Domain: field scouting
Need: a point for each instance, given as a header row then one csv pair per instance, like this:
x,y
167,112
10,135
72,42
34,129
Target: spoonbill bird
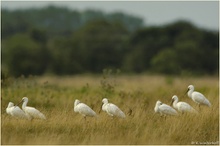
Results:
x,y
182,106
197,97
83,109
31,112
15,111
164,109
112,109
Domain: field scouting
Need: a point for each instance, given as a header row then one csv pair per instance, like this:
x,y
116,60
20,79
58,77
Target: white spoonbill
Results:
x,y
164,109
31,112
83,109
112,109
15,111
197,97
182,106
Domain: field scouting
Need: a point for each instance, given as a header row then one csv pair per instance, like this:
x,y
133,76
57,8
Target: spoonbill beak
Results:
x,y
171,102
100,109
186,91
129,111
19,103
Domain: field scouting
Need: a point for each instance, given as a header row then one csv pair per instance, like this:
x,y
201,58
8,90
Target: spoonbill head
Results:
x,y
182,106
83,109
197,97
31,112
8,109
156,108
112,109
15,111
164,109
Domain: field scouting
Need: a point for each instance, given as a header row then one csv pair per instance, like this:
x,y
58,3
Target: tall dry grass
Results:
x,y
54,96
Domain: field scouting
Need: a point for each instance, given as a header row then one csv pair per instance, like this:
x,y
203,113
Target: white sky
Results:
x,y
204,14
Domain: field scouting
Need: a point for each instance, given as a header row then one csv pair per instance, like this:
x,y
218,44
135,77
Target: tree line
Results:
x,y
60,41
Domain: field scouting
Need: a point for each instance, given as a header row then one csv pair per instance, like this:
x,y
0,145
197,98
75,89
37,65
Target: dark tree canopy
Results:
x,y
61,41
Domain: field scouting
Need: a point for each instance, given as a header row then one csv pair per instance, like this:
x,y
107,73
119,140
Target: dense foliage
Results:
x,y
62,41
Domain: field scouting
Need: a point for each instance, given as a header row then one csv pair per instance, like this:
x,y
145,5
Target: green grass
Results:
x,y
54,96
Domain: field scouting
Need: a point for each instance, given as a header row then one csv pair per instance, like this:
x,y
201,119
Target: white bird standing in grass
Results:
x,y
197,97
15,111
182,106
31,112
112,109
164,109
83,109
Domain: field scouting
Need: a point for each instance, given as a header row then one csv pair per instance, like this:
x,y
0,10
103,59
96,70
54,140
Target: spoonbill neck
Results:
x,y
24,104
189,93
10,104
175,103
76,102
156,108
104,106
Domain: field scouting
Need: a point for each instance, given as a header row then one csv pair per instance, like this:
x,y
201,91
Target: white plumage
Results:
x,y
197,97
182,106
31,112
112,109
15,111
83,109
164,109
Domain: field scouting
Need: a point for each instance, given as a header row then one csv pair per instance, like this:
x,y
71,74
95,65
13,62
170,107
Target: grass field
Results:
x,y
54,96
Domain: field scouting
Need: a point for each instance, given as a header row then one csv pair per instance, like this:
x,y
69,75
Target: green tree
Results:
x,y
190,50
166,61
23,56
65,57
132,23
13,22
100,45
64,41
144,44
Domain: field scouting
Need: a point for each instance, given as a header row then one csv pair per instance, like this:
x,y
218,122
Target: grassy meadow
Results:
x,y
54,96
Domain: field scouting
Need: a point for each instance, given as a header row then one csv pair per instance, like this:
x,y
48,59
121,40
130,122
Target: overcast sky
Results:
x,y
204,14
